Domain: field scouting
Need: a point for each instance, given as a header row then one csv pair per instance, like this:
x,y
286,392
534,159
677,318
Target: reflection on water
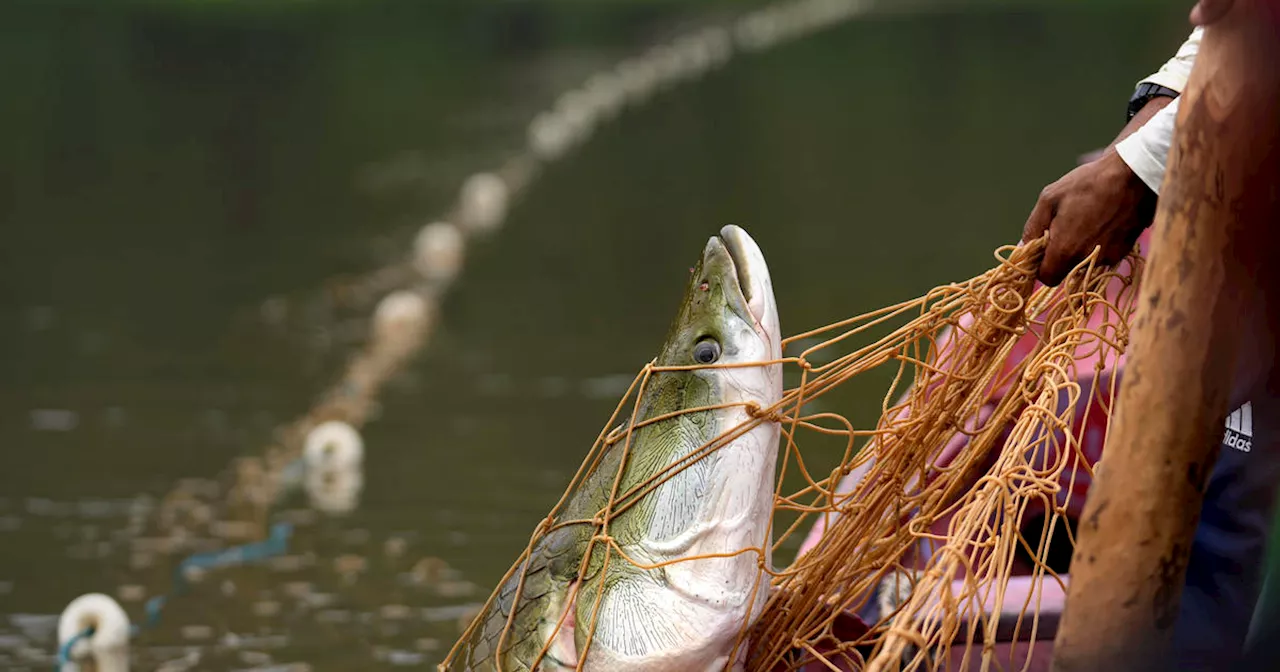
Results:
x,y
179,187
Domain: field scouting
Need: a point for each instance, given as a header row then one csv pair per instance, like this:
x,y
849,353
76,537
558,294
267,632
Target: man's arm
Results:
x,y
1107,202
1146,151
1111,172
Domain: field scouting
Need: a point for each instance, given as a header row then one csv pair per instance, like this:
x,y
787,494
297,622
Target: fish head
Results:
x,y
729,314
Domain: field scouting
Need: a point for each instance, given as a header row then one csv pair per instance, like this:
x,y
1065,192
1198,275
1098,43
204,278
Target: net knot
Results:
x,y
753,409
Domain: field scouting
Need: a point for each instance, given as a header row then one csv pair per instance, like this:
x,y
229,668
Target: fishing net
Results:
x,y
970,478
965,485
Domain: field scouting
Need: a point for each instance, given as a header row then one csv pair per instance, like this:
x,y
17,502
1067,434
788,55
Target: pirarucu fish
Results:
x,y
686,615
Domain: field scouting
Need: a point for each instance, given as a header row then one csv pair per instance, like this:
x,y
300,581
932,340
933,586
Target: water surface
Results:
x,y
178,187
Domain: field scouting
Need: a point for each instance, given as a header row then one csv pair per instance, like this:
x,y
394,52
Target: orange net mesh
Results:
x,y
983,443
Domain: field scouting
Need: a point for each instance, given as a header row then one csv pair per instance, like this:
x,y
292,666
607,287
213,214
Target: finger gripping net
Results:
x,y
966,480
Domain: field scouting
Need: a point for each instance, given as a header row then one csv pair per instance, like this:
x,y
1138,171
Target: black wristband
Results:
x,y
1143,94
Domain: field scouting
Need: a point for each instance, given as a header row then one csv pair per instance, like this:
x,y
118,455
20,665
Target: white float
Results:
x,y
334,455
549,136
638,78
578,113
606,93
108,645
399,314
438,251
482,203
333,445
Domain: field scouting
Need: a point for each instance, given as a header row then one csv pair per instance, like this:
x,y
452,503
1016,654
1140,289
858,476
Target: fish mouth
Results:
x,y
749,269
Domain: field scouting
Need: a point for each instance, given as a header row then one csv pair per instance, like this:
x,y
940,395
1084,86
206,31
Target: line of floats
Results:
x,y
326,458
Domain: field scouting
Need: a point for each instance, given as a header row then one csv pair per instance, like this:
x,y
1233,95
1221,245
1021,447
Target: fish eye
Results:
x,y
706,351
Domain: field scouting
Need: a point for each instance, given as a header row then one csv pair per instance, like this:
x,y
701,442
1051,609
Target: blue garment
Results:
x,y
1228,554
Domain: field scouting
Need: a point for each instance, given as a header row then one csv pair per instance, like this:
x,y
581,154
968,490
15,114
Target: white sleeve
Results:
x,y
1174,73
1146,150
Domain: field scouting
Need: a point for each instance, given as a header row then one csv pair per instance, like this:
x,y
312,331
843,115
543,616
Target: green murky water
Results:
x,y
178,187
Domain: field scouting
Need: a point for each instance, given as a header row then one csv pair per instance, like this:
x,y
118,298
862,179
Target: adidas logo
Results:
x,y
1239,434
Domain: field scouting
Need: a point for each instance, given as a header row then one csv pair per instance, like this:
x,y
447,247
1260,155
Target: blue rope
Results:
x,y
64,653
277,543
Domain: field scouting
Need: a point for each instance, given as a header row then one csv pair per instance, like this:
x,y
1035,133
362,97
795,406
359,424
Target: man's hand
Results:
x,y
1101,203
